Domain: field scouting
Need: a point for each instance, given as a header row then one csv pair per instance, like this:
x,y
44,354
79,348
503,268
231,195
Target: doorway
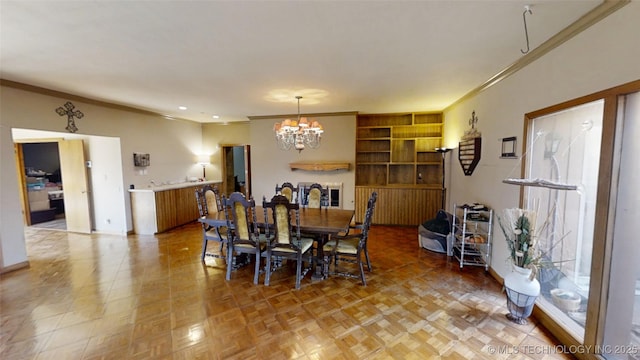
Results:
x,y
54,182
236,169
94,190
41,164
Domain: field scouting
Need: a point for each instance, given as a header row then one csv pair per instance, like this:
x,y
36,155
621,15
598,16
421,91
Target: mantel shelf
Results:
x,y
319,166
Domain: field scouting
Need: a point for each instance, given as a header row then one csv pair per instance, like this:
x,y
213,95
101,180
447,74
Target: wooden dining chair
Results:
x,y
289,191
242,231
352,247
208,200
317,196
285,242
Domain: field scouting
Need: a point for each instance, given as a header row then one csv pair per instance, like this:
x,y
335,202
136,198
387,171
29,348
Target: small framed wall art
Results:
x,y
508,148
141,160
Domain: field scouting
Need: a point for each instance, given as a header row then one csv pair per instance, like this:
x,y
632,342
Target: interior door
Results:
x,y
75,186
23,183
247,169
228,166
229,180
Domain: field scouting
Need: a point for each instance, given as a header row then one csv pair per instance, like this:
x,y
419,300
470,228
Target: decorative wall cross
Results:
x,y
68,110
472,132
474,120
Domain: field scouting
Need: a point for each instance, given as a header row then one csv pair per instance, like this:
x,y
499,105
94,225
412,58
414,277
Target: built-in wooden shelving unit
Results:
x,y
397,151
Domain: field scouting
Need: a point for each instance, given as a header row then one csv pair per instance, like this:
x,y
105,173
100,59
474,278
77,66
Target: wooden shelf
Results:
x,y
398,148
319,166
397,152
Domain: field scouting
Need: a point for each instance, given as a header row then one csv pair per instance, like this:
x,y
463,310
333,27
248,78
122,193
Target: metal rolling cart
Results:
x,y
472,228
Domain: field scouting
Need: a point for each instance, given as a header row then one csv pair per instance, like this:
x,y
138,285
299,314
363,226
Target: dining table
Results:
x,y
322,223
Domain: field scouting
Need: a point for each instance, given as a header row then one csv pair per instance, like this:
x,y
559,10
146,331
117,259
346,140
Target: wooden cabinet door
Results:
x,y
399,206
186,205
166,212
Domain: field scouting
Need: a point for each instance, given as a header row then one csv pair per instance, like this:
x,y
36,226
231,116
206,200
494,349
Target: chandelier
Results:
x,y
298,134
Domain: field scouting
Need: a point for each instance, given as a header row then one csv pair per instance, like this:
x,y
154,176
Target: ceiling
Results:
x,y
237,59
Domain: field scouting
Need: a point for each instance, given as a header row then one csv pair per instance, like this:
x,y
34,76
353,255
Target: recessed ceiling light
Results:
x,y
182,107
216,117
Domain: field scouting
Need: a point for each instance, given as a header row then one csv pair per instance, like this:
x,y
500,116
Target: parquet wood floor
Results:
x,y
150,297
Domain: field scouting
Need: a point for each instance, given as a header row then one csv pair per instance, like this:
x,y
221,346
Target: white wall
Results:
x,y
215,135
601,57
270,165
173,146
12,246
107,185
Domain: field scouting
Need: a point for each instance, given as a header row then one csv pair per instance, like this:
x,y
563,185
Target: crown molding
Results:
x,y
68,96
598,13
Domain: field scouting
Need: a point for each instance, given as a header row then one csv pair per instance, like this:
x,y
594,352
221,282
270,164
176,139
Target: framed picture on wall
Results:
x,y
509,148
141,159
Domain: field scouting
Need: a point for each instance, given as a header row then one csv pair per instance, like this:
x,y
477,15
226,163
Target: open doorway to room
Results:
x,y
43,177
236,169
91,180
53,181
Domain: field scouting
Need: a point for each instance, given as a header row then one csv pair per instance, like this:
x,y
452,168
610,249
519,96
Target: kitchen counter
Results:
x,y
153,188
160,208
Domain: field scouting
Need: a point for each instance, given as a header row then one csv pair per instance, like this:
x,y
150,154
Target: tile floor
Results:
x,y
150,297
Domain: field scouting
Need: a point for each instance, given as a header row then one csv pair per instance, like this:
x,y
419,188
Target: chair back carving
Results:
x,y
284,243
316,196
289,191
241,217
242,230
208,199
202,203
281,210
368,216
209,202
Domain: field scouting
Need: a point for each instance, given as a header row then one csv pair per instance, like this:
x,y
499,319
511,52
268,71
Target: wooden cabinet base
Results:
x,y
399,206
156,211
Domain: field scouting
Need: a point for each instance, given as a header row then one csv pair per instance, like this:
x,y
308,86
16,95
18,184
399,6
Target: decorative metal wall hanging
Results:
x,y
68,110
470,147
469,154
